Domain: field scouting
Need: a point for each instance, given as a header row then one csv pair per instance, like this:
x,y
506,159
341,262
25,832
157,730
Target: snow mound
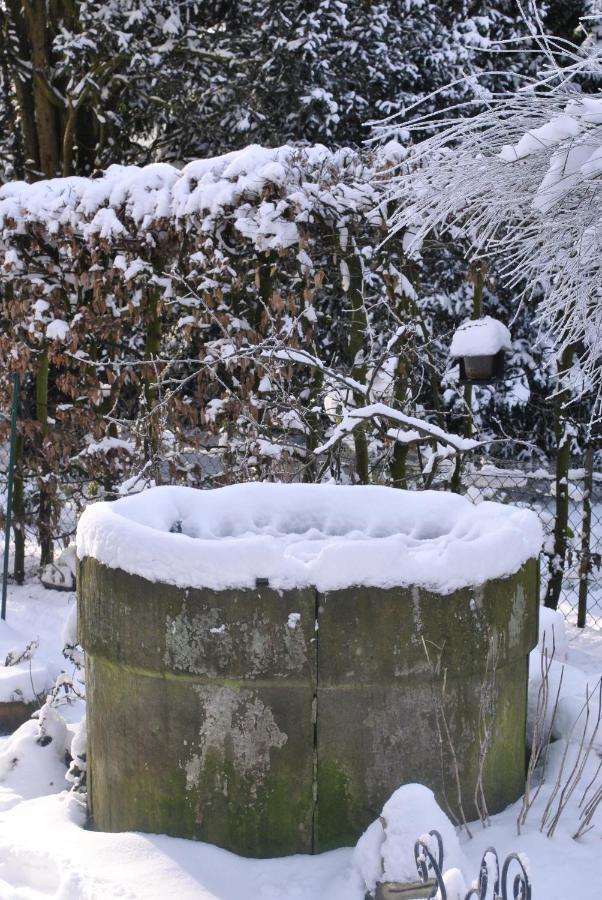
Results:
x,y
552,634
480,337
60,575
300,535
23,676
28,768
385,852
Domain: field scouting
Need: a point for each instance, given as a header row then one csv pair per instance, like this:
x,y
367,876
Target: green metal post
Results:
x,y
9,493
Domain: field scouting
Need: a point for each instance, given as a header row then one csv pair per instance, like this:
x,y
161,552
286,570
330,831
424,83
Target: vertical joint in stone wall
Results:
x,y
314,710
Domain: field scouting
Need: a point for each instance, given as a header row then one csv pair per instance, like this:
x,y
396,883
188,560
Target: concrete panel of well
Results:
x,y
218,716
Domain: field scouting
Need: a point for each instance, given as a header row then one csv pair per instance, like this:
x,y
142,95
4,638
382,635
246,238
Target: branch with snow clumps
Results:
x,y
519,182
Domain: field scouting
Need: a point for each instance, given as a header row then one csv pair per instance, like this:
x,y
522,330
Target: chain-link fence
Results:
x,y
535,488
482,479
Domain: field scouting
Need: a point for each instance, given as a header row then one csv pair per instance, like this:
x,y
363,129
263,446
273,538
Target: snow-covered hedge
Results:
x,y
238,306
270,194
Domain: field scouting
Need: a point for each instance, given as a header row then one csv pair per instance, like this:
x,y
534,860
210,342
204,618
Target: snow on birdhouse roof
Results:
x,y
480,337
308,535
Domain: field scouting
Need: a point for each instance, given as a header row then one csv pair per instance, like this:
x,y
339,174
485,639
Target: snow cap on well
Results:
x,y
299,535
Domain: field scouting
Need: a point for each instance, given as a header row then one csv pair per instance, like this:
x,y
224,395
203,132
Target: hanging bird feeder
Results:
x,y
479,345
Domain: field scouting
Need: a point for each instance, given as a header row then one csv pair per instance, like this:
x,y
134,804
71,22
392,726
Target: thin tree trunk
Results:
x,y
407,312
45,503
313,424
477,312
152,349
362,458
356,355
563,458
586,528
397,468
19,514
68,140
265,283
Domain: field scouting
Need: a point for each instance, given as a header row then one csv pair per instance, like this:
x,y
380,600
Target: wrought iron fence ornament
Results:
x,y
430,868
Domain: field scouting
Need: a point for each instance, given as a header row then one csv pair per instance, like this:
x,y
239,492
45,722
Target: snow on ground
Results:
x,y
46,852
33,614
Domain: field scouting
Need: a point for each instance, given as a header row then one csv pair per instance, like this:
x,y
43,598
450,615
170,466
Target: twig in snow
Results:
x,y
540,741
566,789
439,698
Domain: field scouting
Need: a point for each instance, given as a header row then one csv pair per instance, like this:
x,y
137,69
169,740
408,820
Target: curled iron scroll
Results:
x,y
480,891
430,867
521,886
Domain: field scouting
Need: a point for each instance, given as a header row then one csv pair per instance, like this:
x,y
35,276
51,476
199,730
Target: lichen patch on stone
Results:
x,y
236,725
201,643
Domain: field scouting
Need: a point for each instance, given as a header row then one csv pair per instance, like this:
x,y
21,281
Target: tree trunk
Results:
x,y
477,312
152,348
409,313
45,504
563,458
24,92
45,103
397,468
265,284
19,514
313,425
356,357
398,465
586,529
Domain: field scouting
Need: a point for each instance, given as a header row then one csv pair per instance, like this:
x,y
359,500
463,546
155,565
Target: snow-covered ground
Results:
x,y
46,852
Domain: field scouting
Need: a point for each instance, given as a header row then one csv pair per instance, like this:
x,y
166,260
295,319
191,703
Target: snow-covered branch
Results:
x,y
519,183
412,430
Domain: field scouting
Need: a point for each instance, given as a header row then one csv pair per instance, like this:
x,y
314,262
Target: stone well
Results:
x,y
257,668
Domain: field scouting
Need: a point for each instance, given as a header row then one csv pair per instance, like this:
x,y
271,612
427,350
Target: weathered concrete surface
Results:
x,y
200,711
202,705
380,702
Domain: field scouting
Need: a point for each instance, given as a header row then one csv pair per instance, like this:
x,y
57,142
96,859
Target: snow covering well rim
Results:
x,y
299,535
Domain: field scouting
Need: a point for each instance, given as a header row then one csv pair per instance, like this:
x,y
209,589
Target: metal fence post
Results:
x,y
9,491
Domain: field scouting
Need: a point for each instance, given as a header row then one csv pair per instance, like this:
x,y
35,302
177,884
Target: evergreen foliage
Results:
x,y
89,83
